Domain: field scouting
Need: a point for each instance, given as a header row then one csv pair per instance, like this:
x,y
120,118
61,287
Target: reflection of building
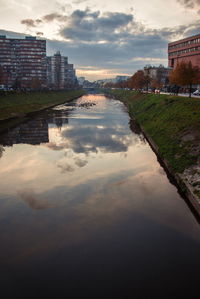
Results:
x,y
60,74
187,49
22,61
59,120
33,132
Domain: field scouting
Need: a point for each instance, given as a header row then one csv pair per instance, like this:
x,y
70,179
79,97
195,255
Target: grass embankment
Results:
x,y
19,105
172,122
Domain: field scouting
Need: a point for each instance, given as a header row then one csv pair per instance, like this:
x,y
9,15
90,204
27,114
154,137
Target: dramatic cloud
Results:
x,y
88,139
85,25
105,44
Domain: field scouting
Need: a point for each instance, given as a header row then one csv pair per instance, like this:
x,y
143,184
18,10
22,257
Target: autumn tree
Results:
x,y
139,80
109,85
36,83
185,74
156,84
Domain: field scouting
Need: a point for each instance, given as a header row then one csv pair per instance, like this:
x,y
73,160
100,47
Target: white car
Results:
x,y
196,93
157,91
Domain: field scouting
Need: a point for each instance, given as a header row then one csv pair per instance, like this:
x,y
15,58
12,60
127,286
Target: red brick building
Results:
x,y
22,61
187,49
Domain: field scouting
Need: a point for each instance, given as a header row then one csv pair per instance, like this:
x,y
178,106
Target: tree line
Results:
x,y
184,75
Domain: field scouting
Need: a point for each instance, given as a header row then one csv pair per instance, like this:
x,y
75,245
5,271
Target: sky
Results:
x,y
103,39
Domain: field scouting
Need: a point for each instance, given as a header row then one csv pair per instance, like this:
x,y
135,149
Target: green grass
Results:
x,y
18,105
166,119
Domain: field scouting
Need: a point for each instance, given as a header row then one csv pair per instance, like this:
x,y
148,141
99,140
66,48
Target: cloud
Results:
x,y
90,139
80,162
31,22
54,16
79,1
45,19
84,25
39,33
66,168
55,147
190,3
111,43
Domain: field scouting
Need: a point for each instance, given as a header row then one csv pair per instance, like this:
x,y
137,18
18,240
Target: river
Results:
x,y
86,210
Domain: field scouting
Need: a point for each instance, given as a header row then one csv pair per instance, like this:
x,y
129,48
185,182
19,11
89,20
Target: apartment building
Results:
x,y
187,49
60,74
158,73
23,62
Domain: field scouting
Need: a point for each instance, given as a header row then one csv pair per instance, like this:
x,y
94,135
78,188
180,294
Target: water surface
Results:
x,y
87,211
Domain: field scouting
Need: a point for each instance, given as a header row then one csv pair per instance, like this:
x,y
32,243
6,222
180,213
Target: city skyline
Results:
x,y
104,39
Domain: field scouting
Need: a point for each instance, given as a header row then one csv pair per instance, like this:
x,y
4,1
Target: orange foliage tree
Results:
x,y
185,74
156,84
139,80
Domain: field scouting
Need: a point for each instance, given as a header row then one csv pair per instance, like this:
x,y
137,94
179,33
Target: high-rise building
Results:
x,y
187,49
60,74
23,62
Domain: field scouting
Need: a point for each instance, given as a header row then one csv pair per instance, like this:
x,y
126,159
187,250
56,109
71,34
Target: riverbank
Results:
x,y
172,127
14,108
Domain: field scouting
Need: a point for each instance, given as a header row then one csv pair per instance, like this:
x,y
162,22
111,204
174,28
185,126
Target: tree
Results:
x,y
185,74
16,84
156,84
139,80
36,83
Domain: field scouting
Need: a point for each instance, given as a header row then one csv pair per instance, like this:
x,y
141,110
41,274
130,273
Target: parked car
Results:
x,y
157,91
196,92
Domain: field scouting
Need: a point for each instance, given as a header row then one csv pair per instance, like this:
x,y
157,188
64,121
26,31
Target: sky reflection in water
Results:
x,y
77,171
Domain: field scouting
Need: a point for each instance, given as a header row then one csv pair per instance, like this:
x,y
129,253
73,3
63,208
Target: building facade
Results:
x,y
187,49
158,73
23,62
60,74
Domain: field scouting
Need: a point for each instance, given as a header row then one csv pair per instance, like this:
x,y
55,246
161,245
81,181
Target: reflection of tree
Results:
x,y
1,151
36,83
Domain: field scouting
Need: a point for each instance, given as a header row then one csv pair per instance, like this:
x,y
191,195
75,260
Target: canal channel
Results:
x,y
87,211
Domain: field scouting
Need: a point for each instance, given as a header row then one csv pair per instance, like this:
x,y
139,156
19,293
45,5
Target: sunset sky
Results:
x,y
103,38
